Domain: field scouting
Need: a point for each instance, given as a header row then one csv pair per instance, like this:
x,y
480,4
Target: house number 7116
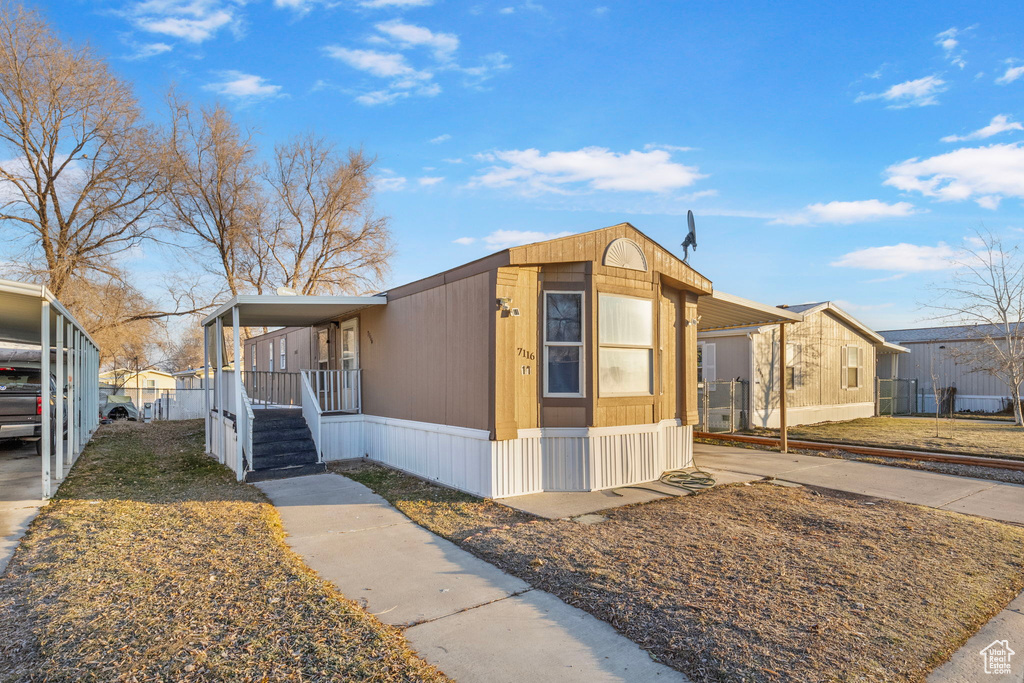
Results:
x,y
523,353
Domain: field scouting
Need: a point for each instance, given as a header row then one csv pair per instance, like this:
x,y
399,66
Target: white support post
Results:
x,y
204,382
62,376
218,387
240,412
44,392
72,338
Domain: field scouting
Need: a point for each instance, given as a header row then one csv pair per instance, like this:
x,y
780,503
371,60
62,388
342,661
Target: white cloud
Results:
x,y
243,86
591,168
600,11
443,45
444,137
947,40
507,10
984,174
671,148
917,93
382,64
903,258
999,124
427,181
845,213
396,3
192,20
452,161
387,181
503,239
1012,74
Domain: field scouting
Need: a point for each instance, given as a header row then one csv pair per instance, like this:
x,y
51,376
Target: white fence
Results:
x,y
179,404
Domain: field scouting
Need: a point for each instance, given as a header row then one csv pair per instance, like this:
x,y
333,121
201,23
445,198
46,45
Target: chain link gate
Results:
x,y
896,397
722,405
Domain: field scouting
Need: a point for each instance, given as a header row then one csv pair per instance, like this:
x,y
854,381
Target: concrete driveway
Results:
x,y
982,497
20,494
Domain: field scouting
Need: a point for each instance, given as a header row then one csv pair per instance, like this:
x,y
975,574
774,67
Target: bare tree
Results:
x,y
80,181
988,290
214,192
325,237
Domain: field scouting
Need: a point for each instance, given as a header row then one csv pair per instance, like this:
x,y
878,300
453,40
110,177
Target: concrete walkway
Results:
x,y
982,497
464,615
20,495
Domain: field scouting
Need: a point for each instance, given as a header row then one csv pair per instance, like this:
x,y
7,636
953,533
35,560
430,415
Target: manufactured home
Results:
x,y
565,365
939,361
828,367
288,349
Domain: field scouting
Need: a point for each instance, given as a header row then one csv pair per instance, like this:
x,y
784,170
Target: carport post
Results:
x,y
72,413
61,374
783,446
204,382
218,390
240,413
44,393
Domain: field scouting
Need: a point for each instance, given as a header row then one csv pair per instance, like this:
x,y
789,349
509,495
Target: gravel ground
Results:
x,y
754,582
154,564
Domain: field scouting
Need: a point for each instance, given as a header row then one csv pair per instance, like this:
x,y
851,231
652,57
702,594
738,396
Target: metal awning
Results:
x,y
20,321
890,348
260,310
720,311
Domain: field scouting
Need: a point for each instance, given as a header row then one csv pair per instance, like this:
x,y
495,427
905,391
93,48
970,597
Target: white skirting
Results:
x,y
539,460
806,415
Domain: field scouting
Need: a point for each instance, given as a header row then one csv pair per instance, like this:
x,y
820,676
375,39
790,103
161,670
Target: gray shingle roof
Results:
x,y
933,334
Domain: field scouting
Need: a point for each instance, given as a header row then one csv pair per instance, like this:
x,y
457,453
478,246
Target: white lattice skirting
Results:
x,y
585,459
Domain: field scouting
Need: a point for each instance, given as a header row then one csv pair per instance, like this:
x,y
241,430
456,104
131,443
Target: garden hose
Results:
x,y
689,480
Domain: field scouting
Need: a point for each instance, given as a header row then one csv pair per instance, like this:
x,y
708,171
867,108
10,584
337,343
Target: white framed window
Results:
x,y
706,371
794,366
852,366
625,357
151,384
284,360
563,344
252,357
270,357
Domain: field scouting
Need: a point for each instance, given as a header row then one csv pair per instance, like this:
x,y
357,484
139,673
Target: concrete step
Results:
x,y
271,448
285,472
263,462
284,434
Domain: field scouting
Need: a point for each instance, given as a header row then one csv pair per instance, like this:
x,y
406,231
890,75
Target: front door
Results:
x,y
350,364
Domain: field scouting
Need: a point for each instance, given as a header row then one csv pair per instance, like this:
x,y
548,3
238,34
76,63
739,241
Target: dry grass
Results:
x,y
755,583
154,564
974,437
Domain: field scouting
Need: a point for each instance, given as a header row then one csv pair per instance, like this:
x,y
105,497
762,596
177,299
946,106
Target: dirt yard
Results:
x,y
753,583
155,564
975,437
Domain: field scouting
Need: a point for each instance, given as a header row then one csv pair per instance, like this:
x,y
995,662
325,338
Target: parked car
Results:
x,y
119,408
21,405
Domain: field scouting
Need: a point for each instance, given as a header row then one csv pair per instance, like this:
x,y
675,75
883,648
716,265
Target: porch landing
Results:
x,y
566,504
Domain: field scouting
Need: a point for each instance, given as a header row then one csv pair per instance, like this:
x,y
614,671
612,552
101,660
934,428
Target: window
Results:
x,y
252,357
270,357
563,344
705,362
284,361
321,348
626,346
794,357
852,364
151,384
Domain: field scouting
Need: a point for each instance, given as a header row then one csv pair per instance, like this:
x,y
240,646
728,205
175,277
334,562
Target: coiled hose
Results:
x,y
692,480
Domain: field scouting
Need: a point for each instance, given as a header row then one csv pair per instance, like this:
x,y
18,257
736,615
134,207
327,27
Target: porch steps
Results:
x,y
282,446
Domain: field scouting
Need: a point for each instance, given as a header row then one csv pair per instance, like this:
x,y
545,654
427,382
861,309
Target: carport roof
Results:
x,y
260,310
21,321
721,311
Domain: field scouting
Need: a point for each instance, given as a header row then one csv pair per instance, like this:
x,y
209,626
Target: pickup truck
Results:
x,y
21,405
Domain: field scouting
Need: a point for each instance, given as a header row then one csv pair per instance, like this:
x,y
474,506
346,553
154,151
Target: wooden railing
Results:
x,y
337,391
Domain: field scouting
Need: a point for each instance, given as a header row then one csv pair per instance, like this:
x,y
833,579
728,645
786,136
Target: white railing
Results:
x,y
311,412
337,391
244,424
227,392
272,388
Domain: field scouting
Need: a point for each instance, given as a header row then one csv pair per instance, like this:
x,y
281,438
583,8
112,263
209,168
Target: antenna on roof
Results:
x,y
691,237
286,291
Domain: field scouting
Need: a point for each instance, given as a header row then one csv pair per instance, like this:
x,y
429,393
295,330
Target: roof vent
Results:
x,y
625,253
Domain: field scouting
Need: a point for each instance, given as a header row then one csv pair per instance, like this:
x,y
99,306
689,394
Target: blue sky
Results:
x,y
833,151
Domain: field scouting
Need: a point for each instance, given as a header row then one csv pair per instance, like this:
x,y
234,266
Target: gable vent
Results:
x,y
625,253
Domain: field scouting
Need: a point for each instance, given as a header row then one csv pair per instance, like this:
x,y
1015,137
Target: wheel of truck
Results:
x,y
118,413
39,447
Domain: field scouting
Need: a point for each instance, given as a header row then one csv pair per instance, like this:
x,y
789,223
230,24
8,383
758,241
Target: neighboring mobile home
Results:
x,y
938,360
565,365
829,365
